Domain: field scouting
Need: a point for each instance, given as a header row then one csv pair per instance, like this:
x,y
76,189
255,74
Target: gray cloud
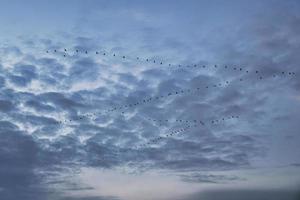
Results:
x,y
5,106
18,157
90,198
84,69
34,141
247,194
209,178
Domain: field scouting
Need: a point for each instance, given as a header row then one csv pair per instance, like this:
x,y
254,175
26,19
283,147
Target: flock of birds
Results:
x,y
193,91
162,121
124,107
65,52
189,124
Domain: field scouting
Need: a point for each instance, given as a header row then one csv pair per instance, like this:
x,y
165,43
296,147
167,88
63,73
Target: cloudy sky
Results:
x,y
131,100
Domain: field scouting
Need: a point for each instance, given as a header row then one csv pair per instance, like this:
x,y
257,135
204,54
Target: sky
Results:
x,y
166,100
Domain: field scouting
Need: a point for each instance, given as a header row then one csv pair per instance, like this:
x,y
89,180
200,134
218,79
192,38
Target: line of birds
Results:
x,y
191,121
160,121
141,102
122,108
190,124
178,92
171,66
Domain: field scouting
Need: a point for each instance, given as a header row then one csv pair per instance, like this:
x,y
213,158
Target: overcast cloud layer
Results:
x,y
202,94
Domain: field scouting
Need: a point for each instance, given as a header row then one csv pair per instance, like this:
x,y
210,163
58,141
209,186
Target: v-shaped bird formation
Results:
x,y
242,72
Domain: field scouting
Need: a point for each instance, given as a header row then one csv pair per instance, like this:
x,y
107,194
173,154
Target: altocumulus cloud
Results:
x,y
54,117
